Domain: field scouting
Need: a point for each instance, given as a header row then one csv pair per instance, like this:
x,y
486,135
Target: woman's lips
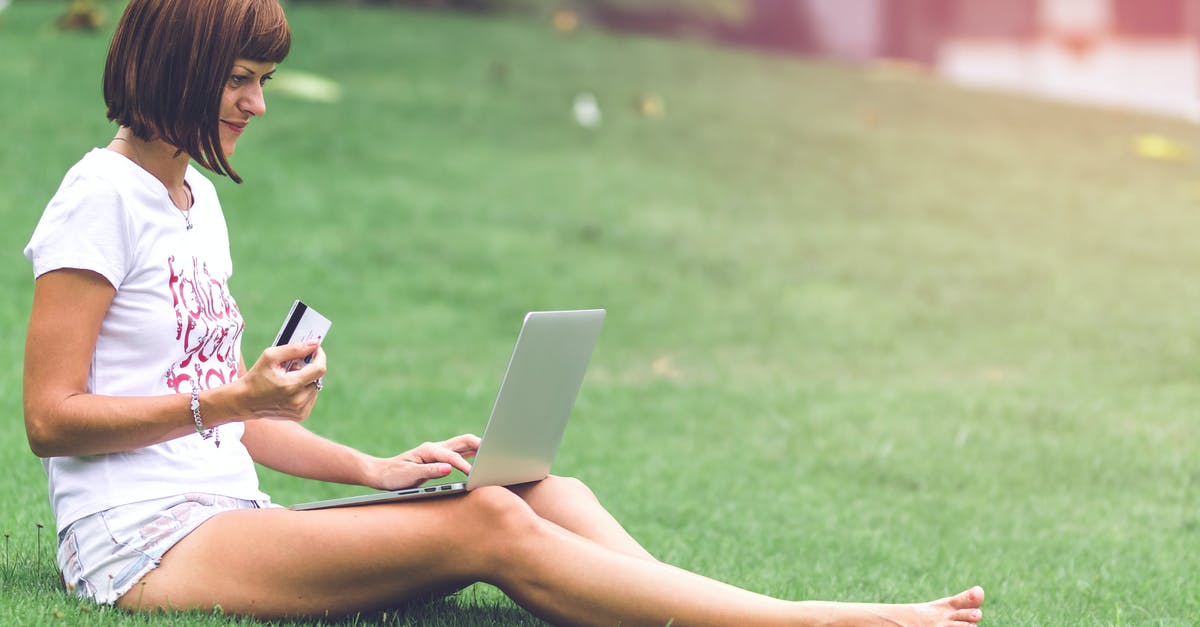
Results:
x,y
235,128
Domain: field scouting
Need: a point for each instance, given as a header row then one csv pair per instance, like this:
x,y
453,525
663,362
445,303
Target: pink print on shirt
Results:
x,y
208,325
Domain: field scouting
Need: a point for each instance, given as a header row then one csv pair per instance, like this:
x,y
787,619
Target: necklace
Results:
x,y
137,157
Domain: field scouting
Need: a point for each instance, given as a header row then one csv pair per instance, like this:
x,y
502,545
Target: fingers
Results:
x,y
274,390
314,369
431,452
466,444
444,454
290,352
397,473
305,359
433,471
290,360
431,460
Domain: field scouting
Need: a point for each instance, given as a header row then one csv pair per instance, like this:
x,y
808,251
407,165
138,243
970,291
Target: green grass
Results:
x,y
870,337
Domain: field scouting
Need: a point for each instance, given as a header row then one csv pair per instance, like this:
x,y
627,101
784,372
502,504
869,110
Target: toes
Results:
x,y
968,616
967,599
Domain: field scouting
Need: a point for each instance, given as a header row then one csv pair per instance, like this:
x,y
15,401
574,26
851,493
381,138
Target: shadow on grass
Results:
x,y
449,616
466,608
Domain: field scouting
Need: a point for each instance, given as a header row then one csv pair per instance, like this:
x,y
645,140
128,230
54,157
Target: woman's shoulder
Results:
x,y
99,197
88,182
101,172
87,222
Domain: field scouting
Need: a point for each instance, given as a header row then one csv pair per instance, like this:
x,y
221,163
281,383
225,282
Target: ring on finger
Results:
x,y
319,383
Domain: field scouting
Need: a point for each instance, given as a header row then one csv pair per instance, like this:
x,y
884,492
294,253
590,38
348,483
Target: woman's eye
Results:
x,y
264,80
237,79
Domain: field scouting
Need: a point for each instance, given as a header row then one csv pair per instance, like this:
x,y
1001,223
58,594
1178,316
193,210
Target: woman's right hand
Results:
x,y
268,390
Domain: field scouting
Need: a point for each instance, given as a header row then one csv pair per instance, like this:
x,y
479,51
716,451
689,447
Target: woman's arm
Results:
x,y
62,418
290,448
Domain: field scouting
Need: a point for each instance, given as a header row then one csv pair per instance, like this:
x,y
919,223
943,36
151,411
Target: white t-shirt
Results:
x,y
173,324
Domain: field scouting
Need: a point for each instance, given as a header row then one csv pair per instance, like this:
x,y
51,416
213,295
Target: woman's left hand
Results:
x,y
431,460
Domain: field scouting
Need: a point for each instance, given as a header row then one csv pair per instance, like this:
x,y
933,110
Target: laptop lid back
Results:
x,y
536,395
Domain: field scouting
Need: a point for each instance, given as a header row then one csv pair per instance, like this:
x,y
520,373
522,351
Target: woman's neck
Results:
x,y
159,159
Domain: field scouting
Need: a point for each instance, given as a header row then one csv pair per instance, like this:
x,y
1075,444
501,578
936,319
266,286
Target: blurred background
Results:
x,y
902,293
1142,54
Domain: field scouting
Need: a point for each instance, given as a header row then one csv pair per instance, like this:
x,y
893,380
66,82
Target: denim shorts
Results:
x,y
103,555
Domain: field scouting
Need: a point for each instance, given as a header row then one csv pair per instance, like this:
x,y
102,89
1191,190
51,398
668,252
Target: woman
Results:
x,y
149,422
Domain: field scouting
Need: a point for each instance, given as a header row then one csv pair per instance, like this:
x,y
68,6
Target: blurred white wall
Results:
x,y
1157,76
1080,54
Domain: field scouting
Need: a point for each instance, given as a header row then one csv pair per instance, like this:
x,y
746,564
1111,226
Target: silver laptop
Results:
x,y
531,409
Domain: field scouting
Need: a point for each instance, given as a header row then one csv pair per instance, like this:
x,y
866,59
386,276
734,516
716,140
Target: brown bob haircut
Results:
x,y
169,62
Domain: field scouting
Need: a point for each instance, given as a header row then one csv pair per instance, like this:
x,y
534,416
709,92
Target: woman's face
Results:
x,y
242,99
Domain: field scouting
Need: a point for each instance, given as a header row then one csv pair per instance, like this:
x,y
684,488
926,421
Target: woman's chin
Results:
x,y
228,144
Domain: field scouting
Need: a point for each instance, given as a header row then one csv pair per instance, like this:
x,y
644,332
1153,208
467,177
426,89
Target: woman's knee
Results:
x,y
497,509
567,487
554,492
505,527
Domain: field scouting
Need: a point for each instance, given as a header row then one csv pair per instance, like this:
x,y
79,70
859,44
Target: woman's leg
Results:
x,y
592,585
570,504
272,563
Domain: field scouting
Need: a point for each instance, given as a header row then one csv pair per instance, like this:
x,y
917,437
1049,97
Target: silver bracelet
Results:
x,y
204,433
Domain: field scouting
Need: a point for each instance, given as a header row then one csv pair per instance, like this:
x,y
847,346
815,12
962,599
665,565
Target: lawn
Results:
x,y
870,336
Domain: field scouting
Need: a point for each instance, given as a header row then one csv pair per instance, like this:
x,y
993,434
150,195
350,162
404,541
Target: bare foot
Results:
x,y
960,610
